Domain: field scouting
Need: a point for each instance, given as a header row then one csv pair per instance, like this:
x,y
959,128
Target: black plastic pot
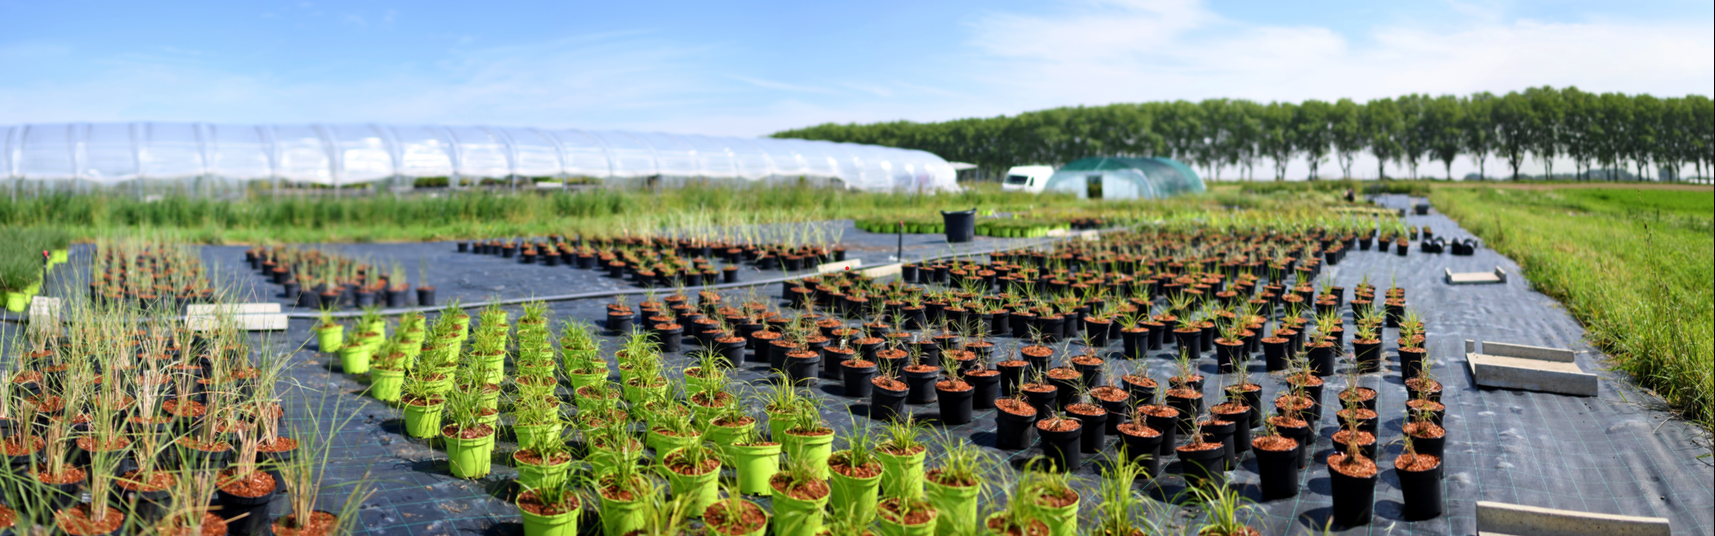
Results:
x,y
1013,432
802,370
619,323
1422,493
1227,357
921,385
732,351
1278,471
1097,332
395,298
1133,343
1322,360
1091,375
1190,342
886,404
1354,498
246,515
955,405
1065,389
1063,449
1010,378
1145,450
1274,355
1433,446
857,379
1223,434
1203,465
1241,438
1095,430
1368,355
672,340
1045,402
1116,413
425,296
309,300
1169,427
1305,437
961,225
987,390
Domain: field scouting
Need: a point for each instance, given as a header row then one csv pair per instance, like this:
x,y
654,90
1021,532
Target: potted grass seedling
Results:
x,y
1224,512
582,362
187,510
888,393
387,378
304,477
800,497
1419,482
329,332
755,460
245,491
906,516
1118,512
1051,494
1203,457
692,470
1352,477
621,488
780,401
424,401
668,425
469,441
954,394
855,473
808,439
725,426
735,516
1356,423
902,454
957,482
665,515
1278,458
551,507
541,460
1092,419
1140,441
536,411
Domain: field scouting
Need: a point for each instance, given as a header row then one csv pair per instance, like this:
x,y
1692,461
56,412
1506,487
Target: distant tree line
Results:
x,y
1594,131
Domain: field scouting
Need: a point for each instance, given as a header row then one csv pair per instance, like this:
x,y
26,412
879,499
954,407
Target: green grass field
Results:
x,y
1633,265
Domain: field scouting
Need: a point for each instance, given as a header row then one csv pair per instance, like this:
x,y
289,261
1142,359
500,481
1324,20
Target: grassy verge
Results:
x,y
384,218
1634,266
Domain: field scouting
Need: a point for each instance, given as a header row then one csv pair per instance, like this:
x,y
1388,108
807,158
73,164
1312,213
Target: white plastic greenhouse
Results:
x,y
209,157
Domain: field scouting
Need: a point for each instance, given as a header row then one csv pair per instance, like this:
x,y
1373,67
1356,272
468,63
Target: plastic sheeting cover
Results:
x,y
1125,178
110,153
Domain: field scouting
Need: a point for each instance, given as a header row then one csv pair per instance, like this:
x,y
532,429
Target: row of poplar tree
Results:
x,y
1595,131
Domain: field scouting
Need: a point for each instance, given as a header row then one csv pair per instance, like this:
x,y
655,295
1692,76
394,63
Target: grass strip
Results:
x,y
1637,276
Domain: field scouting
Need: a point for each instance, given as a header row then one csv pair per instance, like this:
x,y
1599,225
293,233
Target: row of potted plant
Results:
x,y
323,279
165,429
148,272
28,253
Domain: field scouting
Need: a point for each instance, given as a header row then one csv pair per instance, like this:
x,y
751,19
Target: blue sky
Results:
x,y
750,68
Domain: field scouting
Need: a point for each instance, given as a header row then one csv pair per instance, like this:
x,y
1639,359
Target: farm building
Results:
x,y
211,158
1115,177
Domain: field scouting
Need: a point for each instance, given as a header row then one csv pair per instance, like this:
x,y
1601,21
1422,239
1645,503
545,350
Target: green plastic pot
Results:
x,y
496,366
441,386
586,380
17,302
886,527
423,422
378,327
556,525
603,460
957,505
354,359
759,530
385,385
902,476
411,351
1062,521
723,437
59,255
798,517
851,494
330,338
755,464
531,476
470,458
703,489
621,517
529,433
490,399
665,443
777,423
811,449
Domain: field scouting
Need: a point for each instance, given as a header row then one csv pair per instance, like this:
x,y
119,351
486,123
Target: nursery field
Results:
x,y
1633,265
652,373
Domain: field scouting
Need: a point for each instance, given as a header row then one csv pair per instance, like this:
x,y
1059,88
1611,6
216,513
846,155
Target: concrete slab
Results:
x,y
1530,374
44,310
1561,355
1475,278
248,316
842,266
1494,518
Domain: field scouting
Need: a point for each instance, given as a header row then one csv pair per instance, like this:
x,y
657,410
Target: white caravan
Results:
x,y
1027,178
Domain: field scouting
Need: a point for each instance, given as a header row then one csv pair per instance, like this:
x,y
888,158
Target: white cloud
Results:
x,y
1112,51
